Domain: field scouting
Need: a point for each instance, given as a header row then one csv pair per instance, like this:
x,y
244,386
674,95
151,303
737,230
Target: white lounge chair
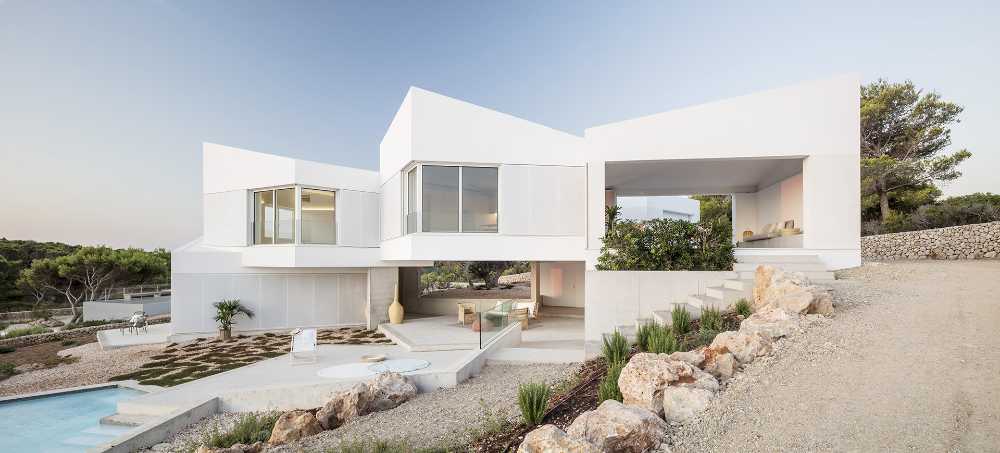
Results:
x,y
303,343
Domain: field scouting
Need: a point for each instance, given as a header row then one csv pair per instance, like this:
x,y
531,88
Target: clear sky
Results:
x,y
104,104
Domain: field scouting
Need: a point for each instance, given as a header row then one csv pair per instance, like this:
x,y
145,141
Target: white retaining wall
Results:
x,y
615,298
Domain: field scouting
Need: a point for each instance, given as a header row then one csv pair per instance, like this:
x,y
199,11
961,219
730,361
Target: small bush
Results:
x,y
7,349
32,330
662,341
380,446
248,429
642,335
41,313
680,320
742,308
91,323
615,348
711,320
7,369
532,400
608,389
695,340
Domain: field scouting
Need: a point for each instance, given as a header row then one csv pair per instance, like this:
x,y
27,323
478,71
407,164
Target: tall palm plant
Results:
x,y
225,312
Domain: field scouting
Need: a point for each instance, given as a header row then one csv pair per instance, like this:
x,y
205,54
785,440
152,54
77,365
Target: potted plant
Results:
x,y
225,312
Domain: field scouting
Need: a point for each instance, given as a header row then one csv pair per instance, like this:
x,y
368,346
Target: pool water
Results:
x,y
68,422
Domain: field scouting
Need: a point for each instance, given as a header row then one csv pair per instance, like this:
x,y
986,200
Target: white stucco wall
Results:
x,y
615,298
225,218
542,200
562,283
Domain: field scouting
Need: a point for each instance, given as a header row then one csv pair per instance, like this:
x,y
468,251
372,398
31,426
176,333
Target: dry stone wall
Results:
x,y
976,241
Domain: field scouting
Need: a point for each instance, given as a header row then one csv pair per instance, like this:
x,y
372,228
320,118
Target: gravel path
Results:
x,y
442,418
93,367
909,362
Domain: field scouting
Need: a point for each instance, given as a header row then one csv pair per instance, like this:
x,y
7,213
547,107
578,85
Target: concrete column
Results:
x,y
536,287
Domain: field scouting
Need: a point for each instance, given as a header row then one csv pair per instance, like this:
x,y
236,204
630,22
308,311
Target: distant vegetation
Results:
x,y
37,274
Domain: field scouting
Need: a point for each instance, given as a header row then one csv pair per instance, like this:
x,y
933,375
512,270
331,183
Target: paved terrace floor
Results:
x,y
277,384
440,333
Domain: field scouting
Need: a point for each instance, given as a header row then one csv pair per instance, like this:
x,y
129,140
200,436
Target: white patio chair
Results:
x,y
303,343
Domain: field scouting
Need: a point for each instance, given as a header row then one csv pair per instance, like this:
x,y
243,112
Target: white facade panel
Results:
x,y
369,216
542,200
392,208
300,299
225,218
350,218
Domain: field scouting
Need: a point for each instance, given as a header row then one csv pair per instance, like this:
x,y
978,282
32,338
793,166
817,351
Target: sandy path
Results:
x,y
910,362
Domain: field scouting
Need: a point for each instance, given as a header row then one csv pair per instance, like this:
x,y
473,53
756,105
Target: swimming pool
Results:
x,y
64,422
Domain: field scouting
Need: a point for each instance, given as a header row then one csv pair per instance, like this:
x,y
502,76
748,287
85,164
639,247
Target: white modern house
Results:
x,y
649,208
313,244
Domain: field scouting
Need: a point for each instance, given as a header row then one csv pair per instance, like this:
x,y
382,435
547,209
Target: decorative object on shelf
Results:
x,y
466,313
396,309
521,315
747,233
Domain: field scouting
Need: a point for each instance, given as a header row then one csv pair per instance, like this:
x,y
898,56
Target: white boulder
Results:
x,y
550,439
616,427
744,346
681,404
646,375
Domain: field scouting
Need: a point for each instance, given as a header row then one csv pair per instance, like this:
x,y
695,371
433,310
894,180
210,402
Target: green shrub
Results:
x,y
695,340
68,343
711,320
667,245
615,348
91,323
31,330
248,429
7,369
680,320
608,389
742,308
642,335
7,349
40,313
532,400
662,341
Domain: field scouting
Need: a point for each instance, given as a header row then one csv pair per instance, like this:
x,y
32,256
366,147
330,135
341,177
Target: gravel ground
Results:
x,y
908,362
93,367
442,418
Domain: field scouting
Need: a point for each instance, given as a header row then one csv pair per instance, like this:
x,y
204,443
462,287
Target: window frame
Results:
x,y
297,216
418,200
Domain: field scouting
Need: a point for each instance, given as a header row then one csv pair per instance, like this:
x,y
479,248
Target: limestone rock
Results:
x,y
294,425
345,405
792,291
646,375
722,365
772,322
550,439
389,390
694,358
744,346
616,427
681,404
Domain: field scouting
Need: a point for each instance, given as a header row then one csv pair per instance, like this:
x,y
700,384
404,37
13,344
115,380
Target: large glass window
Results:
x,y
412,219
440,199
274,216
263,217
319,219
479,199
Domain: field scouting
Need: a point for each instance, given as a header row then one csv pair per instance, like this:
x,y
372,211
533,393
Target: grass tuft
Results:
x,y
532,399
248,429
615,348
743,309
7,369
642,335
608,389
711,320
662,341
7,349
680,320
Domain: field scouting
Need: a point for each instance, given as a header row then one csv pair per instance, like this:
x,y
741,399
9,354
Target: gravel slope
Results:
x,y
94,367
909,362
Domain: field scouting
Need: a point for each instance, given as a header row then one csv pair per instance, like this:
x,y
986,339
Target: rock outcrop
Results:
x,y
389,390
646,376
550,439
772,322
791,291
294,425
744,346
681,404
619,428
722,365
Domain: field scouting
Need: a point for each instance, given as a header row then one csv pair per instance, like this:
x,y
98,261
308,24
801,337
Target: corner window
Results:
x,y
319,219
451,199
274,216
294,215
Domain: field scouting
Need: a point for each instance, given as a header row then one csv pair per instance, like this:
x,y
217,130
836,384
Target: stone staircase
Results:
x,y
723,296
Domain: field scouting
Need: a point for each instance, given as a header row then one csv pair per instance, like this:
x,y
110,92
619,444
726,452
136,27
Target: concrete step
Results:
x,y
811,275
703,301
728,296
127,419
740,285
770,259
665,317
627,331
537,355
787,267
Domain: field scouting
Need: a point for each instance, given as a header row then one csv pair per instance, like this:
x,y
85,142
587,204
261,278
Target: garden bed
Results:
x,y
184,362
